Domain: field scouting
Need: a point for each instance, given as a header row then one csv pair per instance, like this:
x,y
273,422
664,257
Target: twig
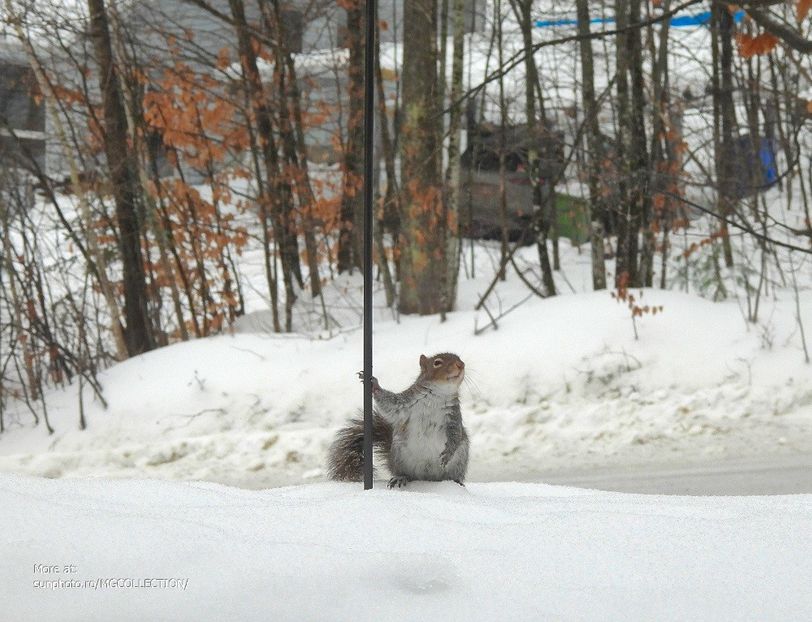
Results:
x,y
747,229
479,331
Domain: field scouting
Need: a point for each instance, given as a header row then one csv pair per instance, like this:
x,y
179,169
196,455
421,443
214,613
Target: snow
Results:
x,y
255,409
437,551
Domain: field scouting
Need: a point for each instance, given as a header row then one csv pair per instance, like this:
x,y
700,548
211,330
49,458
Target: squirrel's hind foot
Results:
x,y
399,481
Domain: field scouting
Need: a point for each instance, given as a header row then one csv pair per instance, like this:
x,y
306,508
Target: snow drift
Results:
x,y
257,410
435,551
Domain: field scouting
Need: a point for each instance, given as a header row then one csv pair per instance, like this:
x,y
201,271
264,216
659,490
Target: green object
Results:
x,y
573,218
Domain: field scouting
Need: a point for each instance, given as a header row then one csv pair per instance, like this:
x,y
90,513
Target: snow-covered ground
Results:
x,y
557,390
149,550
561,385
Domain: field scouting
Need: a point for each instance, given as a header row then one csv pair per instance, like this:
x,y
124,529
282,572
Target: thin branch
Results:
x,y
746,228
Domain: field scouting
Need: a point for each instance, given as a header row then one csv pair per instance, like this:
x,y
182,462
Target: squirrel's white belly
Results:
x,y
417,445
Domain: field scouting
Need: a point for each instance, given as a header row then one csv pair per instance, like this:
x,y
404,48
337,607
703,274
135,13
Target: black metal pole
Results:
x,y
369,131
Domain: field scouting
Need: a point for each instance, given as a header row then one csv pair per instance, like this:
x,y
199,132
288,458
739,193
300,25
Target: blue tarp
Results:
x,y
756,166
768,166
678,21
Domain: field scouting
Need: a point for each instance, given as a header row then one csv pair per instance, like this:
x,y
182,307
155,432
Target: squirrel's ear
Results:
x,y
423,361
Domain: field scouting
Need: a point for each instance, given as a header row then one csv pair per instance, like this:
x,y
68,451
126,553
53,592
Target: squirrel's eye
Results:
x,y
438,362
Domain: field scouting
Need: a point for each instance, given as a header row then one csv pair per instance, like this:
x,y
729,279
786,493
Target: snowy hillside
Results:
x,y
146,550
257,409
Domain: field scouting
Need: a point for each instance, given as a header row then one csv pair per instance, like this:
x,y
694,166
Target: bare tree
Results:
x,y
422,234
120,162
593,141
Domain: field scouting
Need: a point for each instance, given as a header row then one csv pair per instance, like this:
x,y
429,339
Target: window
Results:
x,y
19,104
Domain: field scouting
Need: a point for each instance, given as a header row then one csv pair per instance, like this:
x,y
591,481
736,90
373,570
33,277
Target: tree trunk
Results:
x,y
503,208
351,211
661,169
640,196
389,218
593,141
422,240
277,188
543,197
452,244
626,234
726,166
294,141
119,162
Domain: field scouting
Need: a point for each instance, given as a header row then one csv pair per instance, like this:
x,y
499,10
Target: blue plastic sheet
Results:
x,y
678,21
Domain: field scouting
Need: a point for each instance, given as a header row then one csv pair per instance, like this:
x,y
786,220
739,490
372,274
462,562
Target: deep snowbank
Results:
x,y
334,552
561,383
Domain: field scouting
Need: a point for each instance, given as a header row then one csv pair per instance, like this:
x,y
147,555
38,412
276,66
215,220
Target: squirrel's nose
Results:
x,y
460,365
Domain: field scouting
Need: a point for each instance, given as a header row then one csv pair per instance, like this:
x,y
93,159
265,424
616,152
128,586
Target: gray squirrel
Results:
x,y
419,431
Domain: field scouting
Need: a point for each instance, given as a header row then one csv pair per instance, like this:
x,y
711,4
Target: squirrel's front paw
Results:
x,y
375,386
399,481
445,457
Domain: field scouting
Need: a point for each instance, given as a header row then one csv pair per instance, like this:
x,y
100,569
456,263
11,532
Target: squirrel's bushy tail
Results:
x,y
345,461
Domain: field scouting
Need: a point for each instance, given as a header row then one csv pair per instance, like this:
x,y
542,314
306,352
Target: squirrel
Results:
x,y
419,430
